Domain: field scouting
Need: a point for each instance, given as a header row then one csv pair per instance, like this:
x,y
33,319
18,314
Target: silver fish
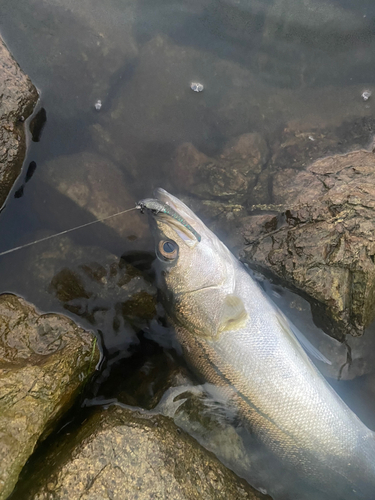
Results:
x,y
234,337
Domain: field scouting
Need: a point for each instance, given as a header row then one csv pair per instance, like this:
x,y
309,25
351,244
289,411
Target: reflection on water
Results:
x,y
283,78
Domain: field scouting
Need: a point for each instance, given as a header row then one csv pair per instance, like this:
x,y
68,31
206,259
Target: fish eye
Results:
x,y
168,249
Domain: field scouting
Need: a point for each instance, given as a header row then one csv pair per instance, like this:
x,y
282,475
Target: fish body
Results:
x,y
234,337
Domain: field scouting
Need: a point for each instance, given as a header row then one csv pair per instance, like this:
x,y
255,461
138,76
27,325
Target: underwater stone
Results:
x,y
229,176
197,87
366,95
98,186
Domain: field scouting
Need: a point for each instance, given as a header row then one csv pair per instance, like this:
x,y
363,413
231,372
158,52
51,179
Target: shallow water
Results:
x,y
266,66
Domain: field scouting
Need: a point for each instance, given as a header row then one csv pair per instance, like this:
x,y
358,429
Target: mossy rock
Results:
x,y
44,363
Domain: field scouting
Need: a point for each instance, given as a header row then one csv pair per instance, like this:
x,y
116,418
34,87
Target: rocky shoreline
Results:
x,y
293,204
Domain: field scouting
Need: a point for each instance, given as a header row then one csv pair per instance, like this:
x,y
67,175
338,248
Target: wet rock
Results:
x,y
122,454
297,149
326,245
298,146
121,152
99,187
18,98
261,193
145,385
360,359
44,363
98,288
91,288
228,177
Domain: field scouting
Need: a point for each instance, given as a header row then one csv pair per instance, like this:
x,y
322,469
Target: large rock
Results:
x,y
324,243
17,100
44,363
120,454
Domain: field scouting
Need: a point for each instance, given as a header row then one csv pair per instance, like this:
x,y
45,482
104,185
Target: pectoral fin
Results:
x,y
233,314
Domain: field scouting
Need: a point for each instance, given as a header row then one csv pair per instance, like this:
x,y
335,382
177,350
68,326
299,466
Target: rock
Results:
x,y
229,177
299,145
326,245
114,289
99,289
297,149
17,100
120,454
143,384
44,363
100,188
257,225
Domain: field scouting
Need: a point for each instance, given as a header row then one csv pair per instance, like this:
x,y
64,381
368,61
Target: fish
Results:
x,y
233,337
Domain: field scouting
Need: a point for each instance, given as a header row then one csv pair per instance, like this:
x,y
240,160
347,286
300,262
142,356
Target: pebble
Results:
x,y
366,95
197,87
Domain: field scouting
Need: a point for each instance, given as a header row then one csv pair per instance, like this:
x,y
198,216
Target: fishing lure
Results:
x,y
157,207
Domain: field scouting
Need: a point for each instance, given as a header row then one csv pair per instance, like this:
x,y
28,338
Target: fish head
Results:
x,y
194,269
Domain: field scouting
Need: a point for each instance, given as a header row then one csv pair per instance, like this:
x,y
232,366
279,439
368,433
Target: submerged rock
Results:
x,y
44,362
119,454
101,290
17,100
90,289
324,244
99,187
228,177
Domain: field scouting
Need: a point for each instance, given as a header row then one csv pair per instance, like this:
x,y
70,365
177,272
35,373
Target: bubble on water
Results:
x,y
197,87
366,94
98,105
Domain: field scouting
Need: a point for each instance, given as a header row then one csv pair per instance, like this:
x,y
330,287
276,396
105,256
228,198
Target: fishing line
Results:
x,y
66,231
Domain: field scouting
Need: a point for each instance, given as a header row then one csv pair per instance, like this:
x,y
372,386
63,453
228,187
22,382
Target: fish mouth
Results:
x,y
167,209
